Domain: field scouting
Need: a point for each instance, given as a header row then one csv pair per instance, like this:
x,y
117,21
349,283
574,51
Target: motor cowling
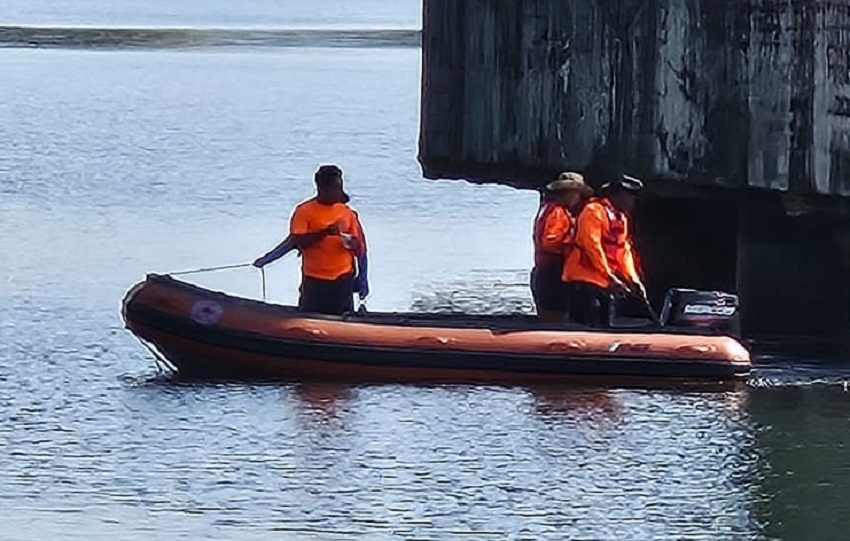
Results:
x,y
715,311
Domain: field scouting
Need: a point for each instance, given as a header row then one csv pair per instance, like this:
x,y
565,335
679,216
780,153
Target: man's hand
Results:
x,y
270,257
333,229
639,289
351,242
617,285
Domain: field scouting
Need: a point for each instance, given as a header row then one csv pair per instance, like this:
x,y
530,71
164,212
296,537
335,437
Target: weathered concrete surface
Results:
x,y
709,92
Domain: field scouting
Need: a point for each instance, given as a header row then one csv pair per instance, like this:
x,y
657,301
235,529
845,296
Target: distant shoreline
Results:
x,y
91,37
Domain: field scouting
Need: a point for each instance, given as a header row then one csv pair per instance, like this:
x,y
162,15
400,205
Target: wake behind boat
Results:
x,y
202,333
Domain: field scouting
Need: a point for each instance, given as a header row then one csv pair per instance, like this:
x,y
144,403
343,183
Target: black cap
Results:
x,y
625,183
329,173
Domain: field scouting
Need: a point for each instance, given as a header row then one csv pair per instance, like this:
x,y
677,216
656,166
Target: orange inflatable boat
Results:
x,y
198,332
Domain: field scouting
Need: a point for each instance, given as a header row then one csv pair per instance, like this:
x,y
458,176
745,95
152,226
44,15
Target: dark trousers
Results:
x,y
592,305
332,297
550,294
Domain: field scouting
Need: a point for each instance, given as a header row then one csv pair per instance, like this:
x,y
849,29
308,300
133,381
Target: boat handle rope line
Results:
x,y
211,269
225,267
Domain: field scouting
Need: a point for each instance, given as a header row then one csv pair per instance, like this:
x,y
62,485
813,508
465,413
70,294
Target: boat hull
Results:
x,y
202,333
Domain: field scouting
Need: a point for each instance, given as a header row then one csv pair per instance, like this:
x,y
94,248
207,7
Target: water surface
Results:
x,y
117,163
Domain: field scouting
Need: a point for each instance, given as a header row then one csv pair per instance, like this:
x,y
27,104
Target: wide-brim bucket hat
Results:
x,y
569,181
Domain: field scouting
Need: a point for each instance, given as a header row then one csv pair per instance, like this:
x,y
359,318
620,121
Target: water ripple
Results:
x,y
115,164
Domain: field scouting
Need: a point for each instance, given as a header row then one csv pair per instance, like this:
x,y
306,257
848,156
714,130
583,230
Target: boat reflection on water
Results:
x,y
326,404
559,402
323,402
605,403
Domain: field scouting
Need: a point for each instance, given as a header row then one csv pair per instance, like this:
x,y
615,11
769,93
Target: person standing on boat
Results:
x,y
603,261
554,234
330,237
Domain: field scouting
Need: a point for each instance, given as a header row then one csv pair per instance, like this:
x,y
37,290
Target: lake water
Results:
x,y
114,163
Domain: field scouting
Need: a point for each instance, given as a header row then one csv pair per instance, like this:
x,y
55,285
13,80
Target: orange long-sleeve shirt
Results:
x,y
600,251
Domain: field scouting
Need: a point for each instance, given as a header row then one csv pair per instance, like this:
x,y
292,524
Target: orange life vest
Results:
x,y
614,238
554,232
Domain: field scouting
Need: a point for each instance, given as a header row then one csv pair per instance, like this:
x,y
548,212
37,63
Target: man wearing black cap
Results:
x,y
603,262
329,235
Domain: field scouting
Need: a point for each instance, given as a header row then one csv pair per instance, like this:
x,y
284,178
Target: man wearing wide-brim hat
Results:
x,y
603,262
554,233
570,182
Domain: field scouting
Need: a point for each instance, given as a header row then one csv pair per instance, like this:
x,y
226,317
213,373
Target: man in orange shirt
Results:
x,y
603,263
329,235
554,231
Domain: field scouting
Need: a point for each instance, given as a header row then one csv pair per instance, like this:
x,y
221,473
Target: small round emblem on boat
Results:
x,y
206,312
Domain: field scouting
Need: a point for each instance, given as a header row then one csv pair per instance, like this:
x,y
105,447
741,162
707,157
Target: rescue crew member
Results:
x,y
603,261
554,233
329,235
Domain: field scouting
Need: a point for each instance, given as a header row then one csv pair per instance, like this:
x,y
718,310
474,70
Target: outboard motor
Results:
x,y
714,311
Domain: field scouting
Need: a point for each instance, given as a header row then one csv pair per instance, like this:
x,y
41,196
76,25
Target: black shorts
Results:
x,y
332,297
593,305
550,293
